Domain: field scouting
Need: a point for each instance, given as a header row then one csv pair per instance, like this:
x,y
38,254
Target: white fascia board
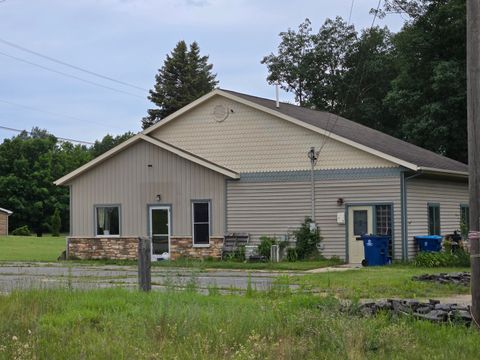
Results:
x,y
8,212
193,158
63,180
181,111
431,170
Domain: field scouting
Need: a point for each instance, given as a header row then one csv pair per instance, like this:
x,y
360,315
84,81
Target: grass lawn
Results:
x,y
121,324
378,282
31,248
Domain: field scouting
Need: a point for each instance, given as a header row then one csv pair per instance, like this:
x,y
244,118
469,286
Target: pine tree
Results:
x,y
184,77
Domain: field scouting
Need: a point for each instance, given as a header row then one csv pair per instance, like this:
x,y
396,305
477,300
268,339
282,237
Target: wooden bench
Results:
x,y
233,241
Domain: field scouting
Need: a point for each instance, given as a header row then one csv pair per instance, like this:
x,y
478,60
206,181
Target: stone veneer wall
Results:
x,y
89,248
182,246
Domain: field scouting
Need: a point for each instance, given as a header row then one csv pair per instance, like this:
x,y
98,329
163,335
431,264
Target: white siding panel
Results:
x,y
127,180
420,192
278,208
249,140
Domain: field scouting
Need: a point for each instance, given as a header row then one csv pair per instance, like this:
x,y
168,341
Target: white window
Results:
x,y
107,220
201,223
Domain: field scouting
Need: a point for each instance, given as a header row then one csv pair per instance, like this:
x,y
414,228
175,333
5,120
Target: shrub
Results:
x,y
266,245
22,231
459,258
239,253
56,223
307,241
292,254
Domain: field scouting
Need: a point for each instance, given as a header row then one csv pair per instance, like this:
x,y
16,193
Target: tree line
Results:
x,y
410,84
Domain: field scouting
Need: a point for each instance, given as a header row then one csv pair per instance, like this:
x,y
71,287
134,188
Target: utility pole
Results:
x,y
473,117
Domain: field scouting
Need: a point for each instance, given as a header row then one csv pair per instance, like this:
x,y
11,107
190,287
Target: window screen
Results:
x,y
201,223
108,220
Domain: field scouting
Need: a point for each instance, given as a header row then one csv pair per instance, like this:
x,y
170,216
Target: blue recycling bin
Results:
x,y
376,250
429,243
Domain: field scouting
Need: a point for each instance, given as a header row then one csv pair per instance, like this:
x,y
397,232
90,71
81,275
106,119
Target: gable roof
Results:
x,y
425,160
8,212
161,144
343,130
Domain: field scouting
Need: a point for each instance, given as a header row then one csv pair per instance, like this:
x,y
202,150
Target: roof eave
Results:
x,y
436,171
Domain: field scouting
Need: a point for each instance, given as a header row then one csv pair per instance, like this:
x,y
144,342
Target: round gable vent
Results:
x,y
220,113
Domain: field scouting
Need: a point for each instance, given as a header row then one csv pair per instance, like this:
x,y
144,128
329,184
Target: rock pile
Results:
x,y
460,278
431,310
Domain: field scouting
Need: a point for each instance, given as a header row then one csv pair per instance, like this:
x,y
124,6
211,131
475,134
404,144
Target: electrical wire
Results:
x,y
58,138
63,116
329,131
349,15
90,72
70,75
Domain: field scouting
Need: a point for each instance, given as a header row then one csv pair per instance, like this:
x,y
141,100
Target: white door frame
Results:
x,y
150,235
351,208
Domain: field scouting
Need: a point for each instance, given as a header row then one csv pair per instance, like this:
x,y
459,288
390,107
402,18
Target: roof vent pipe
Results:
x,y
277,103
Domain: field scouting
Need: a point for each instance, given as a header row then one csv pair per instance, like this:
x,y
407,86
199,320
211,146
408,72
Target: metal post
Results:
x,y
144,264
312,180
473,115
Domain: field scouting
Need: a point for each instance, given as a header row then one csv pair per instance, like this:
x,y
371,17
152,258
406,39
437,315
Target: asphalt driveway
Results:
x,y
22,275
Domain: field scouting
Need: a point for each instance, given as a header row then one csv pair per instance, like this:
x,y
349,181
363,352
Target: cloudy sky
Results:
x,y
127,40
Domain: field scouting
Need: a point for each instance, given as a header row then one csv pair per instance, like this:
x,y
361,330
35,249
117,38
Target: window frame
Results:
x,y
209,202
95,220
436,206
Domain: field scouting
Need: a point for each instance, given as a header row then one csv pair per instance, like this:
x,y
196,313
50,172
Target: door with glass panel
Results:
x,y
159,230
360,222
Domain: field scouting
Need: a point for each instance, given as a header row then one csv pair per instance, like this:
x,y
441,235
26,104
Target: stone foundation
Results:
x,y
119,248
182,247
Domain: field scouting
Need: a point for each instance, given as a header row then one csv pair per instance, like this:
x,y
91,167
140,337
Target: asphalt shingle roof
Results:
x,y
360,134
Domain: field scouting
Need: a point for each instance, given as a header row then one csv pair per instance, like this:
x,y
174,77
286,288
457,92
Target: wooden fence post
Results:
x,y
144,264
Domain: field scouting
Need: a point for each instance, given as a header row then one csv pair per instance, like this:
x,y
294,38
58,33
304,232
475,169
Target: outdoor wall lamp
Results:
x,y
340,201
159,197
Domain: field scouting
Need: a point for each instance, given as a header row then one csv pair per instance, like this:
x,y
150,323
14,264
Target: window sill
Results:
x,y
201,245
107,236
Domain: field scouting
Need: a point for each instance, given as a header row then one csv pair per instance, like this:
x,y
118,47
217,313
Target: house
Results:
x,y
230,162
4,214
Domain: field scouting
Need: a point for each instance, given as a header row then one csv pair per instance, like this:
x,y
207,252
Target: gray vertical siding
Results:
x,y
449,195
279,207
127,180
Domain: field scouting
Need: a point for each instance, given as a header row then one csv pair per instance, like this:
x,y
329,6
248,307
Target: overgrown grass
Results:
x,y
31,248
120,324
378,282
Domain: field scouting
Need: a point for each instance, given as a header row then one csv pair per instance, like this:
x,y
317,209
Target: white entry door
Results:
x,y
360,222
159,219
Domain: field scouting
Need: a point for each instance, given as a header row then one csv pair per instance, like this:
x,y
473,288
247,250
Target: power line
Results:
x,y
58,138
70,75
56,114
349,16
327,137
9,43
376,13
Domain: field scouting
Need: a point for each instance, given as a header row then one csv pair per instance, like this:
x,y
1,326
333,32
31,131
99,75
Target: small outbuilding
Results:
x,y
4,214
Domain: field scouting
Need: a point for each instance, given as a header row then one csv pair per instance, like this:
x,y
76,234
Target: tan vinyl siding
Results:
x,y
449,195
249,140
277,208
127,180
